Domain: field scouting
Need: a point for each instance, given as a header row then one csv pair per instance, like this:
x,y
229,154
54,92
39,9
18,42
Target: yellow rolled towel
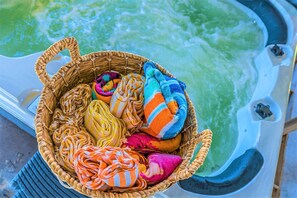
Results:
x,y
127,101
107,129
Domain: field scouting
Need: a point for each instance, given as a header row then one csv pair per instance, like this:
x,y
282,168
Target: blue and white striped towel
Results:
x,y
36,180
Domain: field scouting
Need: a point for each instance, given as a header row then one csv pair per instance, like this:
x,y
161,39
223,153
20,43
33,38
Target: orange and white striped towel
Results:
x,y
107,129
139,185
102,168
127,101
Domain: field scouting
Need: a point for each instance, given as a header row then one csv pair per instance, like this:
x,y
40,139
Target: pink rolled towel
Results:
x,y
160,167
145,143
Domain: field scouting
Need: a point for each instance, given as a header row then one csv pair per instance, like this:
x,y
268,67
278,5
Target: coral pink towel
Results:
x,y
160,167
145,143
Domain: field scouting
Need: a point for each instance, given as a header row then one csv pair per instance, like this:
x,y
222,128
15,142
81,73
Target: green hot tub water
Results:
x,y
208,44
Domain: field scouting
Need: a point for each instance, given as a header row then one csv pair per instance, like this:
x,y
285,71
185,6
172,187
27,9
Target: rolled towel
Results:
x,y
144,143
143,162
140,184
104,85
70,144
59,119
62,132
67,139
73,106
107,129
160,167
76,100
165,104
127,101
102,168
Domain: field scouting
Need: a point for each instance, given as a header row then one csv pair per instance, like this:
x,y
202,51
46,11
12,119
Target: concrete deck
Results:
x,y
17,147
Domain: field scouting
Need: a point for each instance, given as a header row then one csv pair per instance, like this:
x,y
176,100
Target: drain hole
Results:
x,y
277,51
263,110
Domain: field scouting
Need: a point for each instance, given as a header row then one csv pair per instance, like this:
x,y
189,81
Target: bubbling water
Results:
x,y
209,45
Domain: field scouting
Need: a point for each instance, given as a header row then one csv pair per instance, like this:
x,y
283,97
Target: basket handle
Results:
x,y
205,137
69,43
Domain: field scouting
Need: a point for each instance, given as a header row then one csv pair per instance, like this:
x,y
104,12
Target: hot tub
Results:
x,y
250,170
247,131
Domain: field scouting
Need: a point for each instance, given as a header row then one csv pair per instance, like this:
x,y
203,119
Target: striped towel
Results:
x,y
107,129
67,148
73,106
165,105
103,168
104,85
140,184
59,119
76,100
37,180
127,101
62,132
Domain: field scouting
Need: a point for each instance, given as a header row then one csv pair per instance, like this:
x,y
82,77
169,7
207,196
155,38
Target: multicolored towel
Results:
x,y
127,101
73,106
107,129
160,167
104,85
165,105
144,143
102,168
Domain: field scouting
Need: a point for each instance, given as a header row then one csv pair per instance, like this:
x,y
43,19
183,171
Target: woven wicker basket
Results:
x,y
84,69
